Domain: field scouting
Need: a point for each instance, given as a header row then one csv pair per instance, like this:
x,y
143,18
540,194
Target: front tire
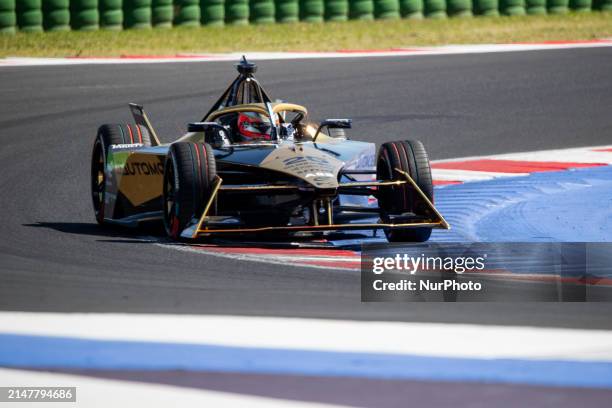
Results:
x,y
409,156
189,174
110,134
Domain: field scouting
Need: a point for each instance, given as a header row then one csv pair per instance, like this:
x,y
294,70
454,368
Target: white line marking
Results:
x,y
573,154
578,155
468,175
260,56
429,339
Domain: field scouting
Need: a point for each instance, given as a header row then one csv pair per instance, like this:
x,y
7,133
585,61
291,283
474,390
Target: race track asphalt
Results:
x,y
53,257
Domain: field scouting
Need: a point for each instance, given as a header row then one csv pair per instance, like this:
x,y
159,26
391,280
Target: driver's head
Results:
x,y
254,126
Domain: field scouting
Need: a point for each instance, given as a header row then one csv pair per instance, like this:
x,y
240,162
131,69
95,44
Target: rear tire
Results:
x,y
189,174
110,134
409,156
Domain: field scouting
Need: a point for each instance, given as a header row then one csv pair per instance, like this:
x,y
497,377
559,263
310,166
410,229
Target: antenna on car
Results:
x,y
245,67
244,89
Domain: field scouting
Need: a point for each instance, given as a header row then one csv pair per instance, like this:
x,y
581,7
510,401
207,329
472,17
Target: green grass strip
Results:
x,y
311,37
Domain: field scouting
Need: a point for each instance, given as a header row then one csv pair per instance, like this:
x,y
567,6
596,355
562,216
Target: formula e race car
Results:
x,y
251,166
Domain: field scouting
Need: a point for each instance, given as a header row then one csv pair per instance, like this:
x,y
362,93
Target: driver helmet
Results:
x,y
254,126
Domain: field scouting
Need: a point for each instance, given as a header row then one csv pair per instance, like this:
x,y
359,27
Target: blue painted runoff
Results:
x,y
26,351
563,206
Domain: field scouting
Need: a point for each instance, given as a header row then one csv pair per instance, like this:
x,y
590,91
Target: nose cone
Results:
x,y
307,163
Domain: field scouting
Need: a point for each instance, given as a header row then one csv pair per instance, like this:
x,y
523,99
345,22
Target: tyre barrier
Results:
x,y
8,18
411,9
435,8
111,14
603,5
312,11
557,6
29,15
337,10
535,7
137,13
361,9
162,13
386,9
237,12
580,6
56,15
262,11
512,7
487,7
287,11
459,8
212,12
187,13
84,15
63,15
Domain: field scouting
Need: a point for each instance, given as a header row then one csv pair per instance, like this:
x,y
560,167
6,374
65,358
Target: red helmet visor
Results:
x,y
251,126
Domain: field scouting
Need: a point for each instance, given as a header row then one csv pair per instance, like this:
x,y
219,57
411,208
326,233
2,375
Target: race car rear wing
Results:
x,y
141,118
435,220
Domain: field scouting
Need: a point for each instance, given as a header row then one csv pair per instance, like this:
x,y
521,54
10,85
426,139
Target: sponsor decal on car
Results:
x,y
140,177
143,169
126,146
308,164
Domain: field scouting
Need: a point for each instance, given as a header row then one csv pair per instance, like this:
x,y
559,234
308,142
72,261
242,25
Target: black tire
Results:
x,y
409,156
110,134
189,174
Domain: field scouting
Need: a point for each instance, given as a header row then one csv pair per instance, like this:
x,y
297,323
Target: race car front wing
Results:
x,y
204,228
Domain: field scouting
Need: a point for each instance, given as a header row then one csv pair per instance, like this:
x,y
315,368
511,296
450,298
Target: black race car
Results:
x,y
251,166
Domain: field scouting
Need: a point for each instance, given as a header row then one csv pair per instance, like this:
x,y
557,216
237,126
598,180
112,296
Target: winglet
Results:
x,y
140,117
